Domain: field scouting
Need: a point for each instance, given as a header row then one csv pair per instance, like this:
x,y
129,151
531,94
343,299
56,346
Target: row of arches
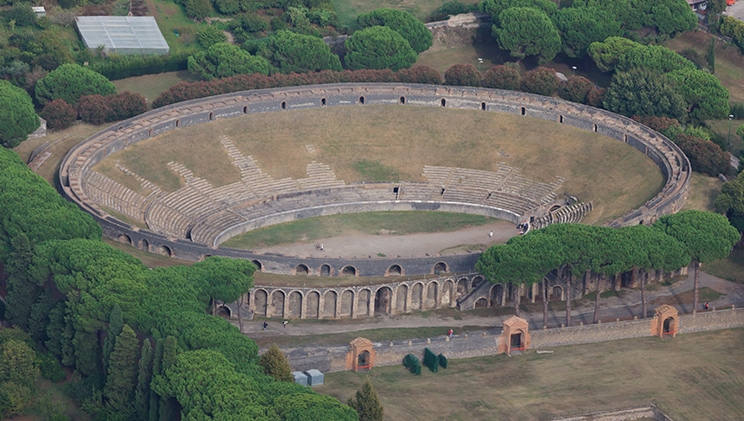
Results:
x,y
143,244
350,270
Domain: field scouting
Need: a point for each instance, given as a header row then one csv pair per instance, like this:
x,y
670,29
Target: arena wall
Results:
x,y
672,162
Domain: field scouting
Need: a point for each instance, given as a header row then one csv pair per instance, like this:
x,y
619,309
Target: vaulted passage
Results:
x,y
383,301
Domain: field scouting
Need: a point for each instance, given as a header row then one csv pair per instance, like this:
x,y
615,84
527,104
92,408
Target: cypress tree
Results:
x,y
142,394
156,370
116,322
168,406
122,372
366,403
275,364
711,55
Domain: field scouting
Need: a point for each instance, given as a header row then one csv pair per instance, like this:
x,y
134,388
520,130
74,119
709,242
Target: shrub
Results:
x,y
126,105
198,9
94,109
50,367
450,8
17,116
210,35
225,60
660,124
595,97
431,361
705,157
443,362
420,74
576,89
737,110
462,75
70,82
411,362
59,115
22,14
120,67
502,77
541,81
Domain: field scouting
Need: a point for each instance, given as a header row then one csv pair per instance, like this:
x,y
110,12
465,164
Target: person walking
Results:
x,y
490,234
449,333
285,323
706,306
265,325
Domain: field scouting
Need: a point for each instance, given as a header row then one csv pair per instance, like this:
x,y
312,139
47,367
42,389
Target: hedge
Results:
x,y
121,67
443,362
411,362
430,360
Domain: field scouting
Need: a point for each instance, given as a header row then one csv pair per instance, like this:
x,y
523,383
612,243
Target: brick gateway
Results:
x,y
76,167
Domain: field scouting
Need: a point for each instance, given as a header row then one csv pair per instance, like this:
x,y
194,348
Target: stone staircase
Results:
x,y
571,214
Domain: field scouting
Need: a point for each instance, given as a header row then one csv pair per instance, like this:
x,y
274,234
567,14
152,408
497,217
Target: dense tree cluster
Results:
x,y
68,289
526,31
671,243
731,201
290,52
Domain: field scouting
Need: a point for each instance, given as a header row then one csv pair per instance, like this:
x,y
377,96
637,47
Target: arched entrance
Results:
x,y
497,294
516,341
165,251
440,267
462,288
557,293
312,305
258,264
325,270
277,304
329,305
401,297
302,270
295,305
363,361
669,326
348,271
145,245
394,270
260,303
383,301
123,238
481,303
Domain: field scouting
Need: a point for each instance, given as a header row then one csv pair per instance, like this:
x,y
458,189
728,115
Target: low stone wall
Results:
x,y
486,343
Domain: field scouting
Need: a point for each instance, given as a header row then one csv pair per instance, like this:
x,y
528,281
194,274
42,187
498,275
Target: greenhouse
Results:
x,y
122,34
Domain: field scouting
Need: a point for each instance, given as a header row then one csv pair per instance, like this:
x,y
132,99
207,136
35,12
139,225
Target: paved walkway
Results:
x,y
625,306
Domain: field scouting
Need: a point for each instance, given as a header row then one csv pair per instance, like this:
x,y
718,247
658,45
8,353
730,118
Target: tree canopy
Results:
x,y
525,31
378,47
290,52
495,7
641,92
411,29
581,26
606,54
71,81
225,60
17,116
706,98
706,236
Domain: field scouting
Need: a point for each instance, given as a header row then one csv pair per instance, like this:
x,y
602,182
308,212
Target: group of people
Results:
x,y
523,227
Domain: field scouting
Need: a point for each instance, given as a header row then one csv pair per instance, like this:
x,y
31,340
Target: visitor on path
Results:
x,y
265,325
706,306
490,234
321,247
449,333
285,323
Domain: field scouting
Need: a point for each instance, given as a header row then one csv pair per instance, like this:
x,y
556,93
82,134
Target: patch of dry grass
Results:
x,y
691,377
615,176
150,86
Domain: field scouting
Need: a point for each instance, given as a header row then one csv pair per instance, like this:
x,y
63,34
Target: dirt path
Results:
x,y
410,245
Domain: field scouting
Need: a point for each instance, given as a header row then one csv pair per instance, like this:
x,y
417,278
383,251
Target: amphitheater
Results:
x,y
191,222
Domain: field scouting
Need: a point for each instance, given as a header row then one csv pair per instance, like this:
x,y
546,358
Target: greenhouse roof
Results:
x,y
122,34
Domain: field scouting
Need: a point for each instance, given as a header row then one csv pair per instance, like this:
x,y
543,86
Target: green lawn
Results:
x,y
375,223
731,268
348,10
151,86
703,191
691,377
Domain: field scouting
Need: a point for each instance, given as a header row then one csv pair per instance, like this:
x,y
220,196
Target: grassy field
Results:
x,y
692,377
731,268
729,60
722,128
375,223
150,86
348,10
615,176
703,191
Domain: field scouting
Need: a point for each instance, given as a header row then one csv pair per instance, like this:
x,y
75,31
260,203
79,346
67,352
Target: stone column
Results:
x,y
393,300
338,306
371,303
321,304
285,310
303,306
409,294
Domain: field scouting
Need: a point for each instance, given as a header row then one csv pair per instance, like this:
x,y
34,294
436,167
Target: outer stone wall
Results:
x,y
477,345
673,164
